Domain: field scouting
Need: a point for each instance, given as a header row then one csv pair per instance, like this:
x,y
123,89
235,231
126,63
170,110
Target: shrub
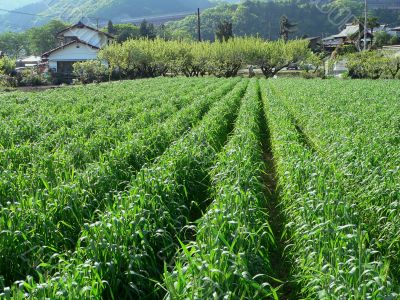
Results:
x,y
382,38
7,65
8,81
366,65
31,78
90,71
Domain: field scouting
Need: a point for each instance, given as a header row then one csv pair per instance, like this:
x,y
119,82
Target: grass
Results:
x,y
230,257
51,219
145,219
331,253
201,188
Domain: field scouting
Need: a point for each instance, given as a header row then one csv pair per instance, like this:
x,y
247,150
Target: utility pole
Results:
x,y
198,24
365,24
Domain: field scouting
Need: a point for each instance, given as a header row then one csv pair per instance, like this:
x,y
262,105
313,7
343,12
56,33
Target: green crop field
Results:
x,y
201,188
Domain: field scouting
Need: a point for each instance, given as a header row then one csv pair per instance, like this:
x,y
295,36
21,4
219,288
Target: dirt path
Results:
x,y
279,261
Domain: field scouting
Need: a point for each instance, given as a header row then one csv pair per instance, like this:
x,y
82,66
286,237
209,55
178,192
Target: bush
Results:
x,y
382,38
394,40
346,49
363,65
7,65
312,75
90,71
31,78
8,81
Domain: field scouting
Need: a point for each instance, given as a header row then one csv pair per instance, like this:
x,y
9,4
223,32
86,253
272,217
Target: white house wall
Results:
x,y
89,36
74,52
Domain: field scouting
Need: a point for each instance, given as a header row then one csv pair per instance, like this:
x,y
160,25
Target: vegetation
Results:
x,y
147,58
262,18
75,10
286,28
7,65
373,65
90,71
142,189
100,167
334,148
224,31
35,41
233,238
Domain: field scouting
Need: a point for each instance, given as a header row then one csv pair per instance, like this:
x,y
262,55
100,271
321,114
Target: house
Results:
x,y
77,43
344,37
350,31
384,4
315,43
29,62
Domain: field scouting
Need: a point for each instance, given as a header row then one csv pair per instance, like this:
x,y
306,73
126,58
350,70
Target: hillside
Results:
x,y
257,18
263,18
89,10
16,4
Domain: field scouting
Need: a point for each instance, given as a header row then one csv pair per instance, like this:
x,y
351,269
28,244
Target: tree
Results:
x,y
151,31
44,38
394,40
372,23
224,31
273,56
14,44
7,65
357,37
366,64
392,65
286,28
382,38
147,30
125,32
110,27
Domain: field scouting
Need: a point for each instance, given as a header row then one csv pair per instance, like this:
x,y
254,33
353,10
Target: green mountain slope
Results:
x,y
263,18
75,10
15,4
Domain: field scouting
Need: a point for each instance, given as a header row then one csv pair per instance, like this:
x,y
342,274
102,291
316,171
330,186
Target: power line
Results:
x,y
20,12
95,18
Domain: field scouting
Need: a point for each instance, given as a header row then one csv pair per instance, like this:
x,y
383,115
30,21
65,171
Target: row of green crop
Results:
x,y
331,252
52,219
122,255
230,257
35,165
357,131
89,136
35,116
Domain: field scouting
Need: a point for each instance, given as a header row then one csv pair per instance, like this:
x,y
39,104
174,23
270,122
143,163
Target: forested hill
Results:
x,y
73,10
263,18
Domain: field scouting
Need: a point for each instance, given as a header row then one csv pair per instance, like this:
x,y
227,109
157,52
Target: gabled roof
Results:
x,y
348,31
81,25
313,38
31,58
75,41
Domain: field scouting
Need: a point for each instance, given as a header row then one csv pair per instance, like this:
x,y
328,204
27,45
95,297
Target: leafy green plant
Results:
x,y
144,222
233,238
7,65
90,71
326,139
